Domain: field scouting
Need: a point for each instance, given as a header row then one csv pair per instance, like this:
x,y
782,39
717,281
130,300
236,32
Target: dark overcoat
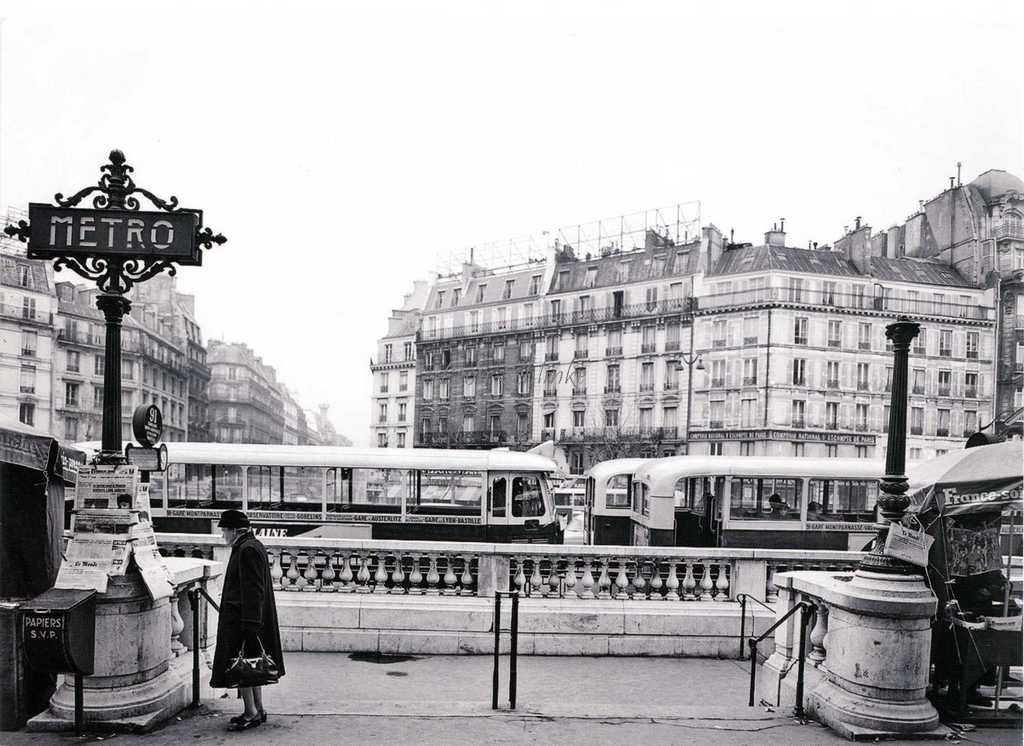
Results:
x,y
247,600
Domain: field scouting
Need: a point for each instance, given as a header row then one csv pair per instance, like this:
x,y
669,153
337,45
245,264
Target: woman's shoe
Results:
x,y
245,723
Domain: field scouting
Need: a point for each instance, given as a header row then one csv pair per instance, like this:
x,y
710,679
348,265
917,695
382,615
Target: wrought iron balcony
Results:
x,y
916,430
581,355
861,427
617,434
917,390
833,383
613,389
799,340
671,385
863,386
550,356
648,348
942,432
750,340
970,392
647,387
717,383
672,345
835,343
945,352
550,392
579,391
613,352
799,422
718,343
944,390
863,345
749,380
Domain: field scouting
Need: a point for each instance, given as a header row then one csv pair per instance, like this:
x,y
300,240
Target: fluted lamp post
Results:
x,y
893,501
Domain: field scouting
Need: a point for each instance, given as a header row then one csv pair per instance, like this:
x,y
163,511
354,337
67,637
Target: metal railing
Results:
x,y
805,614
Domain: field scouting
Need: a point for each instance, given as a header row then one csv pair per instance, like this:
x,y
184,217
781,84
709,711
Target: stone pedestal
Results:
x,y
138,680
872,678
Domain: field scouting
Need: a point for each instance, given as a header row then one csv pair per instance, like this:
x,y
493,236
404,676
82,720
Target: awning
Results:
x,y
974,480
24,445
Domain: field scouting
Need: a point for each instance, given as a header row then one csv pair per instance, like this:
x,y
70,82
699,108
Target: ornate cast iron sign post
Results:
x,y
893,501
116,244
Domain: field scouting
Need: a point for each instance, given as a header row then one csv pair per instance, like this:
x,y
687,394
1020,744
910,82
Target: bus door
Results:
x,y
588,512
516,509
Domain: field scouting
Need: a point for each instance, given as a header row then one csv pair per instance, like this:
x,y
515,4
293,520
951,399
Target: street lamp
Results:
x,y
690,361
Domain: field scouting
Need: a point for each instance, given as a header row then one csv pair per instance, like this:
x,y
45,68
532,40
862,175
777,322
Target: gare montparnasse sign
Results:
x,y
68,231
807,435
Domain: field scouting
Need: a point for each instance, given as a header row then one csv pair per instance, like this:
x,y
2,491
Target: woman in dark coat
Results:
x,y
248,616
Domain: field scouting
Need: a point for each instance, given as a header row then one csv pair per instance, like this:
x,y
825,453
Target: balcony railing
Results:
x,y
26,314
834,343
1008,230
613,389
613,352
943,390
27,389
917,390
863,345
674,306
647,387
672,346
648,348
861,427
970,392
550,392
844,301
750,340
799,422
671,385
799,340
717,382
919,350
945,352
718,343
464,438
750,380
942,432
833,383
579,391
550,356
715,424
862,386
916,430
581,355
614,434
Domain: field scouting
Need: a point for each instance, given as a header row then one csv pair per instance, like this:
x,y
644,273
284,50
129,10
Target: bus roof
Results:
x,y
365,458
661,474
605,470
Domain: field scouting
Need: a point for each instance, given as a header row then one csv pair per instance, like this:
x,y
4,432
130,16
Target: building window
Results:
x,y
796,290
402,407
718,373
798,450
647,376
945,382
582,346
525,351
28,308
945,343
862,452
835,334
385,381
71,394
920,343
717,409
715,449
800,331
578,416
613,386
718,338
467,423
972,345
669,418
456,293
408,351
671,336
942,428
387,353
917,386
549,420
862,416
27,413
498,352
798,412
27,384
535,284
523,379
507,293
469,386
497,384
503,318
400,438
550,385
382,440
832,415
403,381
480,292
971,385
864,337
828,293
428,388
799,372
647,339
671,375
746,448
832,451
916,420
750,330
442,388
29,343
576,462
494,425
863,375
747,407
611,418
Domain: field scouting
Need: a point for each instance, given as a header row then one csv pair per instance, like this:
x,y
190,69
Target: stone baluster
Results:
x,y
177,625
416,577
587,581
689,583
705,582
276,573
771,593
292,576
466,580
363,576
397,576
380,578
550,585
519,581
722,582
639,582
672,583
535,578
346,574
818,632
450,578
328,575
433,577
656,583
570,576
604,582
310,575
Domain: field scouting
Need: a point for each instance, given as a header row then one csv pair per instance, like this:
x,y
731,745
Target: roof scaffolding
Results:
x,y
675,224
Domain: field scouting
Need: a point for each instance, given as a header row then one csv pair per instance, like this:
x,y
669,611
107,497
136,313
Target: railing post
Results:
x,y
753,668
193,597
804,618
514,651
497,648
743,621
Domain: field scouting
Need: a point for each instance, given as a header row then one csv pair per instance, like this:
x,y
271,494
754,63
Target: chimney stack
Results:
x,y
777,235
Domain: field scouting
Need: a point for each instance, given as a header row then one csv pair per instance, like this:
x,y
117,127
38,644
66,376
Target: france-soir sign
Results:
x,y
114,234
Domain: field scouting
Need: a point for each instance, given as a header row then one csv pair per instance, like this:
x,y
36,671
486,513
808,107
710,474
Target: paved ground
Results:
x,y
338,699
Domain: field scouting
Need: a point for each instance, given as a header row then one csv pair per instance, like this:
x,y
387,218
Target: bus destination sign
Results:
x,y
113,234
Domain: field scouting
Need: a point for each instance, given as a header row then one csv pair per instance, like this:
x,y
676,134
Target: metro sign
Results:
x,y
114,234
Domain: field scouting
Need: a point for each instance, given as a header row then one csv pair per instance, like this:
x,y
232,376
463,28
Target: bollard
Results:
x,y
743,621
513,650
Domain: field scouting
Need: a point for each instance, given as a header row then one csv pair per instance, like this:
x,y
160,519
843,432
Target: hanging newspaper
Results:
x,y
102,487
907,544
90,559
151,566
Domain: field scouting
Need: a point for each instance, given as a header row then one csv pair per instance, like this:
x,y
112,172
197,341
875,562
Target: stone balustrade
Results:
x,y
549,571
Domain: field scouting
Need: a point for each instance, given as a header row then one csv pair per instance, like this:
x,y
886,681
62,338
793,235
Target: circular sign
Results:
x,y
148,424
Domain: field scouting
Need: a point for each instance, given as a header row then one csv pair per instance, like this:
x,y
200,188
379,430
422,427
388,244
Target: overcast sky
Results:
x,y
341,146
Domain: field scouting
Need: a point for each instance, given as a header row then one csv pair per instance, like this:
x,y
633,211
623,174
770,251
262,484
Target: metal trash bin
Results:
x,y
26,692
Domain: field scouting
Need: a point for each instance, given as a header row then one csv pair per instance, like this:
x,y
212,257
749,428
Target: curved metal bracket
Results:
x,y
113,276
116,188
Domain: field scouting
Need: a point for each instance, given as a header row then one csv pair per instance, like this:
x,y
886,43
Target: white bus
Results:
x,y
377,493
755,502
607,519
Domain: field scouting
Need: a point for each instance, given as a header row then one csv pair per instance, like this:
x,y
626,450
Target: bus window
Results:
x,y
527,498
590,492
264,487
446,491
846,500
498,487
227,485
156,489
198,487
302,487
616,493
339,483
645,498
381,490
751,498
175,481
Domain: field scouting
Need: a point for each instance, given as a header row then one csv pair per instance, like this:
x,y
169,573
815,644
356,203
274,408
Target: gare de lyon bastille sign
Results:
x,y
116,244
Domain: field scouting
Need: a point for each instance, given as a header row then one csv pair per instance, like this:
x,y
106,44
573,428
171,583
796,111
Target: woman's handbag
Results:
x,y
256,671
